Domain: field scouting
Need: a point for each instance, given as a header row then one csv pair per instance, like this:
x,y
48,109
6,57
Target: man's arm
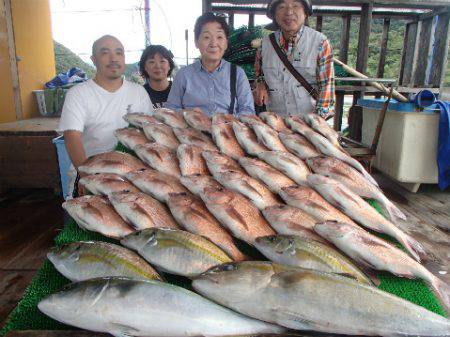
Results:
x,y
260,95
74,146
325,80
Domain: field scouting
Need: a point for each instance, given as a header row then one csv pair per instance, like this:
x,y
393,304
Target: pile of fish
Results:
x,y
198,186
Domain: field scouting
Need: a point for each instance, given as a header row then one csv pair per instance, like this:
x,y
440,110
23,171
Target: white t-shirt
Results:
x,y
97,113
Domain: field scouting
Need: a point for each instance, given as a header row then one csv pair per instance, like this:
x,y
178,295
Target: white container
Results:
x,y
407,150
40,98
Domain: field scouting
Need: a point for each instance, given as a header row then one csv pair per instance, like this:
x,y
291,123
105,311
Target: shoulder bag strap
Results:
x,y
233,72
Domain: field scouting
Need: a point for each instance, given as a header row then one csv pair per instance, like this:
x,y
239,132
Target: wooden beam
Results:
x,y
251,20
364,34
319,23
345,38
420,75
440,56
383,47
13,60
231,20
409,49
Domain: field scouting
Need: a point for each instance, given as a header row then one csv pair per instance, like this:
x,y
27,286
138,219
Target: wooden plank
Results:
x,y
424,52
28,161
409,52
319,23
364,35
339,108
43,124
28,222
12,286
383,47
13,60
440,55
345,38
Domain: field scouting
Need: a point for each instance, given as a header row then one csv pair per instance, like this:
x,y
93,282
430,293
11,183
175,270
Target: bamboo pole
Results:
x,y
398,96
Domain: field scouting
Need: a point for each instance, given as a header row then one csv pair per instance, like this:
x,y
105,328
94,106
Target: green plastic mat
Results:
x,y
48,280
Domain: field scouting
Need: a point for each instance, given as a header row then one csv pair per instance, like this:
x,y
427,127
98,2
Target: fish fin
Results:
x,y
442,291
121,330
294,320
371,275
347,275
414,248
392,210
348,195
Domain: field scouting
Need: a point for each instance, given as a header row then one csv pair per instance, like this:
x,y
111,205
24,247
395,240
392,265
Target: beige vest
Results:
x,y
286,95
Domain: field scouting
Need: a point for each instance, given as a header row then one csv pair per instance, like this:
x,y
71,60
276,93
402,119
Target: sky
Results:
x,y
77,23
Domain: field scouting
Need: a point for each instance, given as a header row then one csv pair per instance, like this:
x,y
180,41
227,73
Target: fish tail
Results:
x,y
393,211
412,246
356,164
442,291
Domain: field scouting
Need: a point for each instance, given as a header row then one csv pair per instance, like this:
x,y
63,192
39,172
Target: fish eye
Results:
x,y
126,191
142,169
96,174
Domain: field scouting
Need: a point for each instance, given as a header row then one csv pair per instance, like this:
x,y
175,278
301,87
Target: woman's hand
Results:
x,y
260,94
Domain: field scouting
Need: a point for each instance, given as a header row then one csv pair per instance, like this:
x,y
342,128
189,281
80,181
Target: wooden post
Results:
x,y
440,51
423,53
231,20
319,23
251,20
345,38
383,47
409,49
339,111
206,6
364,34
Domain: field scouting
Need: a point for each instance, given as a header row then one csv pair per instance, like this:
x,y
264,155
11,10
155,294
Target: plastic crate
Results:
x,y
51,101
64,164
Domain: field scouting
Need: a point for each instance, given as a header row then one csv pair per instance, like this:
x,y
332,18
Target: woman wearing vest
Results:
x,y
211,84
156,65
294,49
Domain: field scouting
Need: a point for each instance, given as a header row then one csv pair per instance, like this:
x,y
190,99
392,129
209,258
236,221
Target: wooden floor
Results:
x,y
29,221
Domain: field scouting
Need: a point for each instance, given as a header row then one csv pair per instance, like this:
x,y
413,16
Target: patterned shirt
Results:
x,y
324,73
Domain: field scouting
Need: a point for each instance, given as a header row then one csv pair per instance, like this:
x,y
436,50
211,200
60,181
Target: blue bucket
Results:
x,y
64,164
423,98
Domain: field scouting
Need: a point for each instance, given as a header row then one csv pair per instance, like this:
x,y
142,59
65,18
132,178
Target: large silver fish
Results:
x,y
106,183
161,134
338,170
191,160
298,251
298,145
251,188
223,136
124,307
359,210
192,214
141,210
236,213
130,137
138,119
247,139
328,149
194,137
171,118
250,119
175,251
96,214
274,120
306,299
373,252
197,120
111,162
159,157
155,183
274,179
312,203
196,183
287,163
290,220
79,261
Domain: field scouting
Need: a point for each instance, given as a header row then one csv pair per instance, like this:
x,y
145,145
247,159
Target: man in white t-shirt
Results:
x,y
94,109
